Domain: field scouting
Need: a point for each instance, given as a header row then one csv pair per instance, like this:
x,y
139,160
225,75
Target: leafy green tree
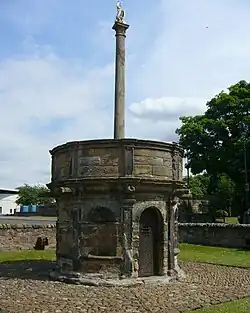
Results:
x,y
220,197
198,185
214,142
36,195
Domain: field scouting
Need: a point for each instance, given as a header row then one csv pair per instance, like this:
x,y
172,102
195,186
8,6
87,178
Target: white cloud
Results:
x,y
159,118
37,91
168,108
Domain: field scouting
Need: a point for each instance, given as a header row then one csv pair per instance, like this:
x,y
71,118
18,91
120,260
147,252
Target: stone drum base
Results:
x,y
97,280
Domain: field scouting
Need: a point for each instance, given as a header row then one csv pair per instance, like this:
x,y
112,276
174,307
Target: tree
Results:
x,y
220,197
214,141
36,195
198,185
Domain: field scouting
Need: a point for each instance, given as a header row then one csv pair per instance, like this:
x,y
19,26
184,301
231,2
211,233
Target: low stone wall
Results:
x,y
20,237
219,234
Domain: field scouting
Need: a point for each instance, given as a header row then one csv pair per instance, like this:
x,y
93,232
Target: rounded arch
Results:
x,y
151,242
151,212
140,207
101,215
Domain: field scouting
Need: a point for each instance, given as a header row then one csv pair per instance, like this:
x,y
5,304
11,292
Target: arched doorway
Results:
x,y
151,243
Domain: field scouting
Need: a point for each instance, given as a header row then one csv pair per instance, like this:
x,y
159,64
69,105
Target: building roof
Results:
x,y
8,191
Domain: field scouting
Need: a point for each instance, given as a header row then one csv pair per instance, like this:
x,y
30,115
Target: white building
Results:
x,y
8,199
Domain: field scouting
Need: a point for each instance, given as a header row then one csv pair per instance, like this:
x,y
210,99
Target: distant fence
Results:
x,y
36,210
215,234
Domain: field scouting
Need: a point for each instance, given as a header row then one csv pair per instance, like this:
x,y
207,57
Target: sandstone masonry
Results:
x,y
215,234
117,207
23,237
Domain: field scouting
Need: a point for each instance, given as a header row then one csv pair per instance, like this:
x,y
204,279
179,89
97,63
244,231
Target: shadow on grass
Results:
x,y
28,269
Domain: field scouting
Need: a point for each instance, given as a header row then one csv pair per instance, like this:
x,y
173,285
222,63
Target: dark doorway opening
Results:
x,y
151,240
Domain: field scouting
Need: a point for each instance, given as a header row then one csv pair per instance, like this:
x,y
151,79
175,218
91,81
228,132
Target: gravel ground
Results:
x,y
23,290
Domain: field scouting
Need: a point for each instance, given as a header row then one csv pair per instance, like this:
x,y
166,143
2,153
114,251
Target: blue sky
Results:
x,y
57,71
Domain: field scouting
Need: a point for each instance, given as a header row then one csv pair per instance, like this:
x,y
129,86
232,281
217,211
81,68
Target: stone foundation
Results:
x,y
97,281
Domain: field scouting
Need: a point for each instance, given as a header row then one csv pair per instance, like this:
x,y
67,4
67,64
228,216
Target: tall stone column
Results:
x,y
119,114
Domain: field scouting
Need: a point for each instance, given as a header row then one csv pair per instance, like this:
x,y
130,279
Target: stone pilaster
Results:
x,y
127,229
172,207
165,251
119,114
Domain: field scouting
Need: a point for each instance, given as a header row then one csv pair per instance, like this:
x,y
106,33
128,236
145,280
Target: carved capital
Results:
x,y
174,201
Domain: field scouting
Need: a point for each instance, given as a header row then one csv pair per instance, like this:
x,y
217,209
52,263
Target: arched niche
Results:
x,y
102,237
100,215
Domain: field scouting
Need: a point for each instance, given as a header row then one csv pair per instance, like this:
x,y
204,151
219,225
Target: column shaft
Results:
x,y
119,112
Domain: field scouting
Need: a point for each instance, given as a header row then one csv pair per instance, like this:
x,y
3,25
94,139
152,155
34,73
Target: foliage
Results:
x,y
198,185
228,220
220,195
214,255
214,142
36,195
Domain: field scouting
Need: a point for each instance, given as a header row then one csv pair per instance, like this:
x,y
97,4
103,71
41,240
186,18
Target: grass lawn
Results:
x,y
9,256
239,306
228,220
215,255
193,253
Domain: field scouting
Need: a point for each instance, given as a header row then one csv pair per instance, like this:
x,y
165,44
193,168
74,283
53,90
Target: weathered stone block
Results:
x,y
143,170
21,237
161,171
157,161
224,235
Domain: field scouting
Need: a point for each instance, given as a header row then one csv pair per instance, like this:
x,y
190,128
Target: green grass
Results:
x,y
23,255
214,255
193,253
228,220
239,306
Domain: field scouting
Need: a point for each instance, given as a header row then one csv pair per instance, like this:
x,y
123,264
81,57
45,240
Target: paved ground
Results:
x,y
22,290
35,220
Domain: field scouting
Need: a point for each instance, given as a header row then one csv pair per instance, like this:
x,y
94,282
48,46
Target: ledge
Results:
x,y
154,180
26,226
115,143
213,225
102,258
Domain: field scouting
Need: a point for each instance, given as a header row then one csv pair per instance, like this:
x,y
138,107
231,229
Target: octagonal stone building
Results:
x,y
117,200
117,207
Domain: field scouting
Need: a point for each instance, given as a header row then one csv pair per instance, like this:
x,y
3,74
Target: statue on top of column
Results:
x,y
120,15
